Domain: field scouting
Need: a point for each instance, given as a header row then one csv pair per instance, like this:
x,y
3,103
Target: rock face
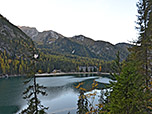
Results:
x,y
77,45
13,40
31,32
45,37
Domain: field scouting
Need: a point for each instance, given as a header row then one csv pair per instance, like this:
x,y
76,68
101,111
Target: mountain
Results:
x,y
45,37
105,49
13,41
31,31
78,45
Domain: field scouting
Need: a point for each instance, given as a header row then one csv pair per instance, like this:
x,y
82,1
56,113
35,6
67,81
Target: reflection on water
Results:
x,y
11,95
62,95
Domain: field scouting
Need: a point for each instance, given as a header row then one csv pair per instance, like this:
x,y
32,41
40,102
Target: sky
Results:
x,y
107,20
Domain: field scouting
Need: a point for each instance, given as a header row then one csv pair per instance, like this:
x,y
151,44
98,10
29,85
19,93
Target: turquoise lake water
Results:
x,y
62,96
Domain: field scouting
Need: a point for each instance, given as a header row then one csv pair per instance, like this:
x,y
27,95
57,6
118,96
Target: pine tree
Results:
x,y
144,42
127,95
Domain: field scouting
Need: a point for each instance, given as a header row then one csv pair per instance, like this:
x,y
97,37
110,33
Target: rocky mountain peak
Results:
x,y
79,37
30,31
45,37
51,34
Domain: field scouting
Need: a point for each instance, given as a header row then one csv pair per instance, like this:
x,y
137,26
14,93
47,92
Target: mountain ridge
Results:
x,y
79,45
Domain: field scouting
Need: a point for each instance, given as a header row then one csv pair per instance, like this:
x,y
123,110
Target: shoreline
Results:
x,y
53,74
68,73
13,75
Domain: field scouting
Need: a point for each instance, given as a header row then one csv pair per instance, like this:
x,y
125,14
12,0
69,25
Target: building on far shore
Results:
x,y
56,71
88,69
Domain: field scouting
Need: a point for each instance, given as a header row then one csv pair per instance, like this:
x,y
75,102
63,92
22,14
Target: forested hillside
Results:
x,y
15,48
13,40
68,63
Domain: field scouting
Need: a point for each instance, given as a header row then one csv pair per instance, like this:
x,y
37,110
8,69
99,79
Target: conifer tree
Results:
x,y
127,96
144,42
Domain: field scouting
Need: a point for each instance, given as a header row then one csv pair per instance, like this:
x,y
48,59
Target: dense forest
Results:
x,y
47,63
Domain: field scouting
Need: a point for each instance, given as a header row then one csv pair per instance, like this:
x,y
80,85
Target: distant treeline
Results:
x,y
47,63
68,63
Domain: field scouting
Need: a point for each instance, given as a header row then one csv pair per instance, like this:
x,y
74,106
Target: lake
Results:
x,y
62,95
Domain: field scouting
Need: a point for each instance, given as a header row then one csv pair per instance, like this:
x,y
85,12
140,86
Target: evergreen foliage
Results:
x,y
127,94
68,63
132,91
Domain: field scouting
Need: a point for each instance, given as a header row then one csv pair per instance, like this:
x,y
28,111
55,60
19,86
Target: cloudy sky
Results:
x,y
108,20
